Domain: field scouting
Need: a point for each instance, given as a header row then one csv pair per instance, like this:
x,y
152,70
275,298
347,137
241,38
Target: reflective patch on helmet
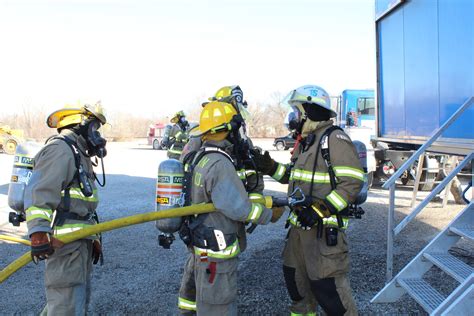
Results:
x,y
205,114
227,109
217,112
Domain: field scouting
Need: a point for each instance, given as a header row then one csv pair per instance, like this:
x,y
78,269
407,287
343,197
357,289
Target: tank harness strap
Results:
x,y
63,213
200,235
324,143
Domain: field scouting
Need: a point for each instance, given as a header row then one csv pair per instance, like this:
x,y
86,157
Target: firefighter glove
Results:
x,y
308,218
264,162
41,246
277,212
96,251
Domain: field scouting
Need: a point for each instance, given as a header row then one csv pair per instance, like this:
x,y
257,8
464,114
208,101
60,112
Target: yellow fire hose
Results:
x,y
15,239
120,223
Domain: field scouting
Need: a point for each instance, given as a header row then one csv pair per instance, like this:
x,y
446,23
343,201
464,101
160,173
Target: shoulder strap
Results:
x,y
190,162
324,144
77,161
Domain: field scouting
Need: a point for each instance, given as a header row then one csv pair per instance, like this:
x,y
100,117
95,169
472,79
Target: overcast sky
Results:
x,y
153,57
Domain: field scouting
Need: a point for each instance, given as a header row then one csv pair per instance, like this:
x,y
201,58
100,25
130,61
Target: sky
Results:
x,y
151,58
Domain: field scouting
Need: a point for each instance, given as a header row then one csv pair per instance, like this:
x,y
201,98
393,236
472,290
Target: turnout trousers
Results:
x,y
317,274
67,279
208,287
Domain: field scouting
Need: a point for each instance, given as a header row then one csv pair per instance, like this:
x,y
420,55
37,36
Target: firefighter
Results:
x,y
326,169
246,167
62,187
178,135
252,181
214,237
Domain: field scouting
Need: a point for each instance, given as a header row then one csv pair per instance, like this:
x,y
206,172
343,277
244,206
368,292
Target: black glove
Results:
x,y
264,162
42,246
308,218
96,251
236,122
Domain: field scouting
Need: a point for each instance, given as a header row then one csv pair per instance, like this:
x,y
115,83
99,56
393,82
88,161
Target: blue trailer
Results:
x,y
425,72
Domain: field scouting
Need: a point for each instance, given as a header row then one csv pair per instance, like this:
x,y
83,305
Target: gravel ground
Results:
x,y
140,278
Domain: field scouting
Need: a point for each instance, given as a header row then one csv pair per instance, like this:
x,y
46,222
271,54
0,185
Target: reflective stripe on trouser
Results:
x,y
187,290
67,279
320,273
216,295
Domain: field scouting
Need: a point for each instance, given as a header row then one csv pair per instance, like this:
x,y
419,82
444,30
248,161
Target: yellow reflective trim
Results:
x,y
336,200
186,304
217,112
343,171
38,213
174,151
69,228
332,221
293,219
76,193
280,172
306,176
230,252
228,109
255,212
255,196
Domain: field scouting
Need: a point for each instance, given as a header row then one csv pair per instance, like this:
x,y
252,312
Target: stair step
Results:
x,y
451,265
423,293
464,231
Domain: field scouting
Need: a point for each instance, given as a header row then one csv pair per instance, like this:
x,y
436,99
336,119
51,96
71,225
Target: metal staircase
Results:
x,y
410,279
436,253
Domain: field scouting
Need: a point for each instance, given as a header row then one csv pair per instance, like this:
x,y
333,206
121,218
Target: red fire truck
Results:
x,y
156,133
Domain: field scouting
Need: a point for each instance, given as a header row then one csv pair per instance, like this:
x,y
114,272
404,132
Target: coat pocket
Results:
x,y
220,288
334,260
67,267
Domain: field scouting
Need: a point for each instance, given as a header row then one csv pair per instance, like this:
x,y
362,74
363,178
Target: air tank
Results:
x,y
169,193
362,152
21,174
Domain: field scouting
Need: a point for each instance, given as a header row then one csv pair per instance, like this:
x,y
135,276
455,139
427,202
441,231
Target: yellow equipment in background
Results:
x,y
10,138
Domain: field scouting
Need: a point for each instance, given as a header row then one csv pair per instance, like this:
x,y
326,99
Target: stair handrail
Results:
x,y
390,184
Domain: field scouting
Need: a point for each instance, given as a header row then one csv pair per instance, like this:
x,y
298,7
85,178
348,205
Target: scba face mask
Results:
x,y
296,120
95,142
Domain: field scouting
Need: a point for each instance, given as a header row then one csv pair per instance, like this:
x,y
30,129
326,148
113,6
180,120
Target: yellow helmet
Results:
x,y
75,114
177,116
215,117
235,96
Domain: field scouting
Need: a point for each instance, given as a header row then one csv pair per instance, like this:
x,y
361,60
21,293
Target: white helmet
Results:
x,y
313,101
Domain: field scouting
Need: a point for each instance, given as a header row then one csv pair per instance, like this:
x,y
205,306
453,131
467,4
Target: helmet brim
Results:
x,y
55,117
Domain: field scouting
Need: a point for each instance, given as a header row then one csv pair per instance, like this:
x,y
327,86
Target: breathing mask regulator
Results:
x,y
183,122
89,129
296,120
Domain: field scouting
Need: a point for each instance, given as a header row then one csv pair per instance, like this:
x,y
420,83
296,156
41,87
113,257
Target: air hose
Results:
x,y
120,223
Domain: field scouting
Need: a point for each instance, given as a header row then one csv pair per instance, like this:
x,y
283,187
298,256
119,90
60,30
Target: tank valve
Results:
x,y
165,240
